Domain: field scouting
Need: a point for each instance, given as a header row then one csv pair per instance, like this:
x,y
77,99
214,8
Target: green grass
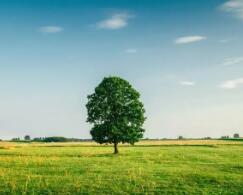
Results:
x,y
90,169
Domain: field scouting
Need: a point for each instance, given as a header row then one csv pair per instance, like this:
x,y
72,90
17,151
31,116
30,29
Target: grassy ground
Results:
x,y
159,167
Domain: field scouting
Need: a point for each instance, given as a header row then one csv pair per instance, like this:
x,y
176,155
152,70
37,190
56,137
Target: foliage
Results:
x,y
38,139
116,112
16,139
59,139
55,139
50,139
225,137
236,135
27,138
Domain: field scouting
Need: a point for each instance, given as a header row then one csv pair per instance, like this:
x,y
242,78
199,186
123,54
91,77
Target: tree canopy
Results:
x,y
116,112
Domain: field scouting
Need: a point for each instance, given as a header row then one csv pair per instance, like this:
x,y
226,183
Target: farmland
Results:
x,y
149,167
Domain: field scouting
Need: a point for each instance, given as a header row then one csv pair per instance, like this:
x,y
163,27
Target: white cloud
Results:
x,y
50,29
232,61
187,83
131,50
189,39
234,7
231,84
116,21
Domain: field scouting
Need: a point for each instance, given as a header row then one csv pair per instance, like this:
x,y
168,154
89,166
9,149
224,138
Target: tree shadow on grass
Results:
x,y
110,155
107,155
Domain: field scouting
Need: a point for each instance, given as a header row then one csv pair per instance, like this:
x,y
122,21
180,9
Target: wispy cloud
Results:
x,y
224,40
234,7
50,29
187,83
231,84
116,21
189,39
131,50
232,61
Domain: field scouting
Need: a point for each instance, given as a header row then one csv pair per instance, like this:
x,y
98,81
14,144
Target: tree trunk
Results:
x,y
115,148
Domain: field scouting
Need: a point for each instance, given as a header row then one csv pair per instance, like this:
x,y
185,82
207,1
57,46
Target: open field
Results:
x,y
152,167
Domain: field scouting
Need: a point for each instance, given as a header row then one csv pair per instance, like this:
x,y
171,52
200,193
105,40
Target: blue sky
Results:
x,y
185,58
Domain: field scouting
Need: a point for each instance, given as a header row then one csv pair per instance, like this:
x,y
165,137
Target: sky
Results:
x,y
184,57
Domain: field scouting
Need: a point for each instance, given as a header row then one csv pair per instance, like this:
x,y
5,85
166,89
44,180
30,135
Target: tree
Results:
x,y
116,113
16,139
225,137
38,139
236,135
55,139
27,138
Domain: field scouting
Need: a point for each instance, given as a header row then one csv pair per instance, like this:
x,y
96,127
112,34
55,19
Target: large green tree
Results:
x,y
116,113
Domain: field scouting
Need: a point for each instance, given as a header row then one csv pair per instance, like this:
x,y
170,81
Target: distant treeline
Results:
x,y
50,139
27,138
54,139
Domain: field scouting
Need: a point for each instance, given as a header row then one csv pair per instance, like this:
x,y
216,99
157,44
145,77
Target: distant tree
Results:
x,y
180,137
225,137
116,113
207,138
55,139
16,139
38,139
27,138
59,139
236,135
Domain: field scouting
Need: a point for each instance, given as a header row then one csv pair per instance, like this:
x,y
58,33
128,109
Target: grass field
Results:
x,y
151,167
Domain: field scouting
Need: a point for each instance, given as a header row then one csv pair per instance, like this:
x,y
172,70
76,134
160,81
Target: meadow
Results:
x,y
149,167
